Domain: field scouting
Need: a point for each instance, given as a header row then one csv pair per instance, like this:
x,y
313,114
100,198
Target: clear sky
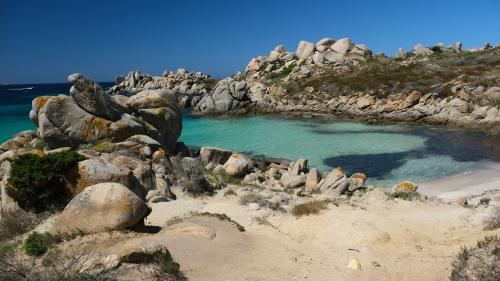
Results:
x,y
44,41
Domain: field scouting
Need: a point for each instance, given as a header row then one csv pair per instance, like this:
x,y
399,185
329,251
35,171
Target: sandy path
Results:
x,y
393,240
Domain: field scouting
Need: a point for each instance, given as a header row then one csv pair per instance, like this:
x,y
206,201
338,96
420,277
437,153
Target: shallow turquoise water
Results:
x,y
386,153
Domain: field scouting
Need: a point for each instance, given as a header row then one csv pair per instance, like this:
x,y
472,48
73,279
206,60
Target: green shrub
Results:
x,y
36,244
38,182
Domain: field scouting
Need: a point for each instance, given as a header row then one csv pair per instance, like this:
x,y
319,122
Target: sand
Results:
x,y
392,240
470,183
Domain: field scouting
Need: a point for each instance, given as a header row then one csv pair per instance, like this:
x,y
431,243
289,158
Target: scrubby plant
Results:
x,y
227,179
492,222
53,267
14,223
103,147
189,175
310,208
165,268
251,197
38,182
408,196
478,263
36,244
222,217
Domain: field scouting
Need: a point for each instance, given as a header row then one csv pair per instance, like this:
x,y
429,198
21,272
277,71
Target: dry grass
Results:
x,y
478,263
251,197
16,223
310,208
493,220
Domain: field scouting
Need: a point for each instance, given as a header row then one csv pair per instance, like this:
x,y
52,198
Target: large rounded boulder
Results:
x,y
102,207
228,95
90,115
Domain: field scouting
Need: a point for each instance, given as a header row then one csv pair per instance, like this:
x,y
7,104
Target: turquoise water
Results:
x,y
386,153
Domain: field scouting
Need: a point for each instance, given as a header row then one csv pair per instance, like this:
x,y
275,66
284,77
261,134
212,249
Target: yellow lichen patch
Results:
x,y
97,128
41,101
160,153
339,170
406,186
37,152
236,155
359,176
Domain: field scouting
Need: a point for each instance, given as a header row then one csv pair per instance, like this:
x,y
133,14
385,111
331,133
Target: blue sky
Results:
x,y
44,41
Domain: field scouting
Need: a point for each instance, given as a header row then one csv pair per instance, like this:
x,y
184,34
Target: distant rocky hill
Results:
x,y
435,85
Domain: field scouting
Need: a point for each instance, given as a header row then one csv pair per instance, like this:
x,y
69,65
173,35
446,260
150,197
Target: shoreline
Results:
x,y
467,184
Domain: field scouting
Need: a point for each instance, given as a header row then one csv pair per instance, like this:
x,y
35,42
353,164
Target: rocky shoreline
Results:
x,y
105,164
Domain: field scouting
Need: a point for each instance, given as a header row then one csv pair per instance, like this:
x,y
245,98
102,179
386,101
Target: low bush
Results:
x,y
36,244
166,269
492,222
189,176
310,208
53,267
408,196
15,223
251,197
223,217
478,263
39,182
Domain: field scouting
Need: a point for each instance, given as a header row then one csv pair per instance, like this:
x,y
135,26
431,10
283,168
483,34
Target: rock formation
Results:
x,y
89,115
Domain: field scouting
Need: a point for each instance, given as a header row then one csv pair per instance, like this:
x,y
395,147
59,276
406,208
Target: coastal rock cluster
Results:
x,y
90,115
189,87
425,85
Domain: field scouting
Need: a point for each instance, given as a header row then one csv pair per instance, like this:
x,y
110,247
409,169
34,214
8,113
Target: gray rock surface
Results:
x,y
101,207
228,95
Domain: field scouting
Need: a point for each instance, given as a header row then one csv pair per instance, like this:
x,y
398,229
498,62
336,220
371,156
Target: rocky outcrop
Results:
x,y
228,95
102,207
188,86
89,115
238,165
214,155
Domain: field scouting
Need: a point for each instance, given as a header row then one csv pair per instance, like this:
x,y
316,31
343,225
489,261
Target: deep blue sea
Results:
x,y
386,153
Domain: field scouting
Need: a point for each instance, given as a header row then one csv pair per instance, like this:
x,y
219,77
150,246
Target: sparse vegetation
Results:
x,y
37,244
190,176
310,208
251,197
478,263
389,76
14,223
492,222
222,217
103,147
209,83
39,182
408,196
166,269
52,267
